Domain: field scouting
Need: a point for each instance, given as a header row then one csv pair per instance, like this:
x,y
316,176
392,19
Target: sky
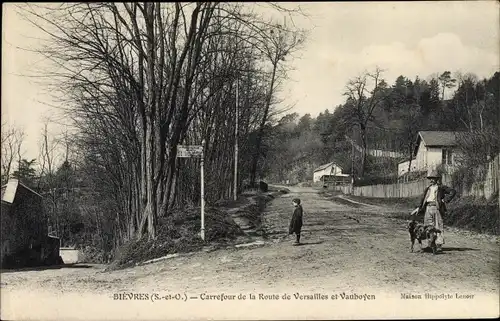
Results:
x,y
345,39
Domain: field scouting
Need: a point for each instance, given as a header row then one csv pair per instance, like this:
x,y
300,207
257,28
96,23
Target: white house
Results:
x,y
330,169
433,148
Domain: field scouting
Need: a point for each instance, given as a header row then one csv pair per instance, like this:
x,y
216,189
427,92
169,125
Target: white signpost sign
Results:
x,y
188,151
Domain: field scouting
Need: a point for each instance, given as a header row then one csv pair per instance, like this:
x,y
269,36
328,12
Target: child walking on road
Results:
x,y
296,221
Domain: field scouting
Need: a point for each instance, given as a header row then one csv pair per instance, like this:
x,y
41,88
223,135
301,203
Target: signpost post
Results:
x,y
236,146
202,230
189,151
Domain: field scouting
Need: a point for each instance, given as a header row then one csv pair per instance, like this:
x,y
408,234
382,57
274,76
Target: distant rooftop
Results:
x,y
439,138
326,165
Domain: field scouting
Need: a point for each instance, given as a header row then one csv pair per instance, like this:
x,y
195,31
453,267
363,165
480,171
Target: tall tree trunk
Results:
x,y
363,150
260,133
410,149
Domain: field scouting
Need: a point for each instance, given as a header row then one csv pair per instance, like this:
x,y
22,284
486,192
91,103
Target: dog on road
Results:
x,y
421,232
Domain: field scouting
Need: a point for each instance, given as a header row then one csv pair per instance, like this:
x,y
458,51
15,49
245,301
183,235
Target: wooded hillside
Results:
x,y
388,117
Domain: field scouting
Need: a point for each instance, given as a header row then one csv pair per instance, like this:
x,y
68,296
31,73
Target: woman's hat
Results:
x,y
433,174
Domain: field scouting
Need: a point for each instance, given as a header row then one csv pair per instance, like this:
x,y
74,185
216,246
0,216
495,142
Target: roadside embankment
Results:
x,y
226,223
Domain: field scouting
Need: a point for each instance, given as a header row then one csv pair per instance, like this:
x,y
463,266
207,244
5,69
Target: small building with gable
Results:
x,y
328,172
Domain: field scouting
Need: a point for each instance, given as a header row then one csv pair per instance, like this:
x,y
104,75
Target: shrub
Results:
x,y
93,254
464,176
412,176
179,233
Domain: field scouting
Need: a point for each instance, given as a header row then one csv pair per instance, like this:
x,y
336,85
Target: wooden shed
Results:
x,y
24,228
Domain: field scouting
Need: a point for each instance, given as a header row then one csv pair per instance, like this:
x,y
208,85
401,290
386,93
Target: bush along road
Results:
x,y
351,252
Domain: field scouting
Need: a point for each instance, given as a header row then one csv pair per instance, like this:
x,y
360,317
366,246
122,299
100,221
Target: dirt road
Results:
x,y
348,249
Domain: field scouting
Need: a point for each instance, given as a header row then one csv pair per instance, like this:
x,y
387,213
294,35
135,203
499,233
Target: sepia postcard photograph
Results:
x,y
250,160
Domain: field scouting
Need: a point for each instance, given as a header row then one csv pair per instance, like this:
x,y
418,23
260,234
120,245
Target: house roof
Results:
x,y
9,190
436,138
322,167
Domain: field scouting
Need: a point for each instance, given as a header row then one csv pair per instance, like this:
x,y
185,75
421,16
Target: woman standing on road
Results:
x,y
296,221
433,204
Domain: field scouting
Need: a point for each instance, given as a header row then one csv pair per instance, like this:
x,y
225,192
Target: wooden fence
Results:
x,y
490,185
487,187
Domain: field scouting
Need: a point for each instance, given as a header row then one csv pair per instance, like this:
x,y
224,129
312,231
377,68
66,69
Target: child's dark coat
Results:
x,y
296,221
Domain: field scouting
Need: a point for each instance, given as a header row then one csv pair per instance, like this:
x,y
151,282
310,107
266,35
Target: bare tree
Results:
x,y
142,78
276,47
365,93
134,46
11,143
47,181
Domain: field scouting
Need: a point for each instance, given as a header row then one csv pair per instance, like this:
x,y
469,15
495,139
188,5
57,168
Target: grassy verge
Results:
x,y
229,203
253,212
478,215
179,231
345,202
400,203
403,204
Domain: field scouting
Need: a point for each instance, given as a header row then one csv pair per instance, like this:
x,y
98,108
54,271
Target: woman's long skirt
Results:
x,y
433,218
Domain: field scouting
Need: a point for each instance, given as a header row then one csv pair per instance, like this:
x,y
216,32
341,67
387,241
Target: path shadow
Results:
x,y
458,249
354,230
426,250
49,267
444,250
345,202
311,243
